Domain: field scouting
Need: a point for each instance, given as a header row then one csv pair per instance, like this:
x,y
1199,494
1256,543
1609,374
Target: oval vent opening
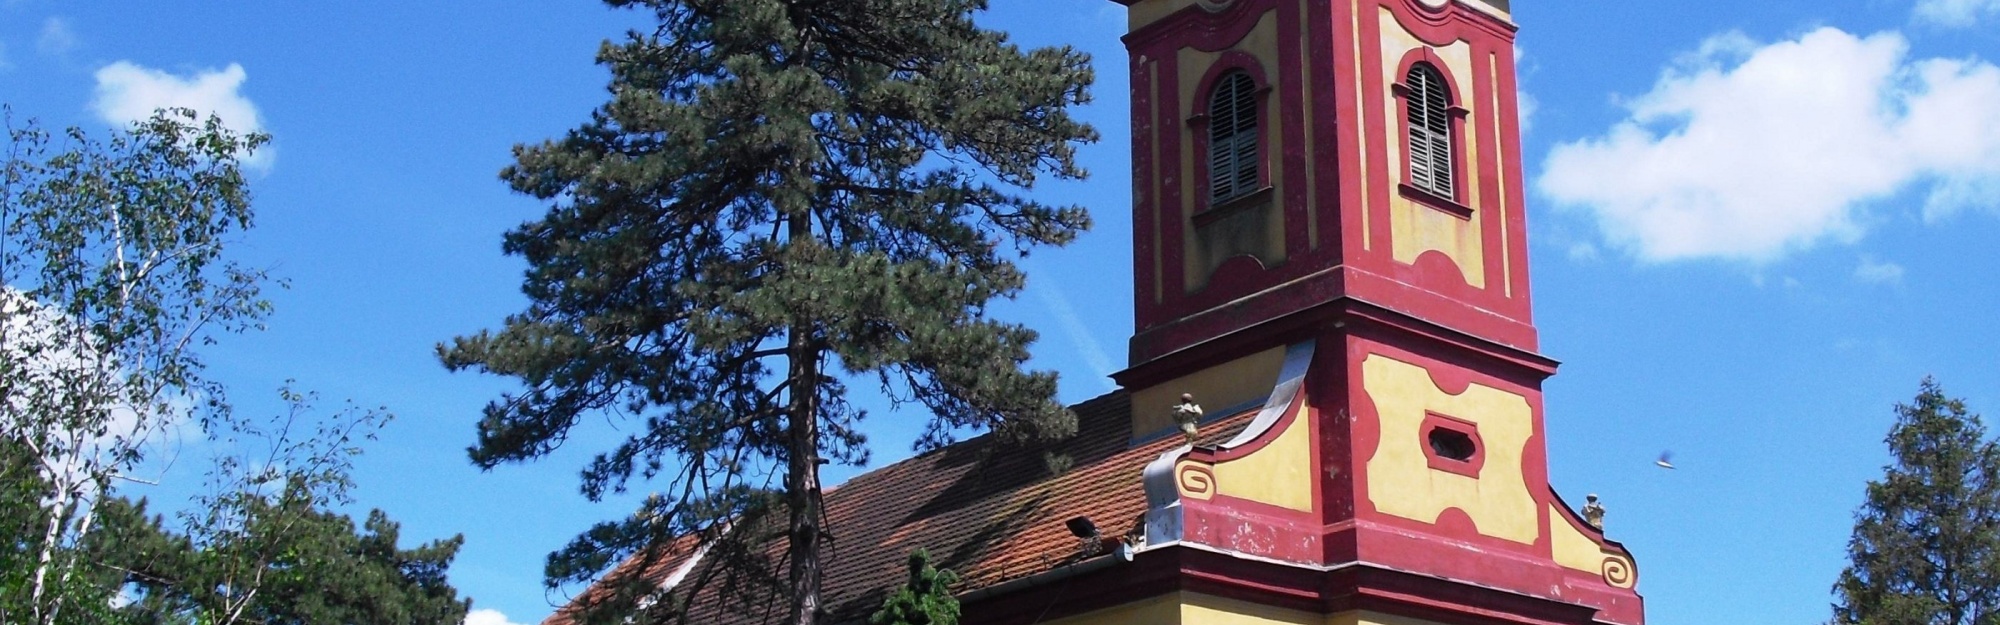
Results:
x,y
1452,444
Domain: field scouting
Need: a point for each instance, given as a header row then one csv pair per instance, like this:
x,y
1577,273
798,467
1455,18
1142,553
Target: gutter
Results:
x,y
1120,555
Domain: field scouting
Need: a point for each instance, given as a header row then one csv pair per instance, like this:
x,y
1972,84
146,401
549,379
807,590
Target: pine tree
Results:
x,y
925,600
1926,545
781,197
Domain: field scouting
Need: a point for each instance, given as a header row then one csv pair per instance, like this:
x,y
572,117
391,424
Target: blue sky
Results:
x,y
1756,226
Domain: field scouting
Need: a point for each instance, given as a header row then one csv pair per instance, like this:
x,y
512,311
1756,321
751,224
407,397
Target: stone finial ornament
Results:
x,y
1593,512
1188,414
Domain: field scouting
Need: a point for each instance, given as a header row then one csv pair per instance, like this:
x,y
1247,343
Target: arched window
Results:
x,y
1232,137
1426,105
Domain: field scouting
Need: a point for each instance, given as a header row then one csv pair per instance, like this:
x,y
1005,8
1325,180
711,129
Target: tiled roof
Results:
x,y
653,568
990,512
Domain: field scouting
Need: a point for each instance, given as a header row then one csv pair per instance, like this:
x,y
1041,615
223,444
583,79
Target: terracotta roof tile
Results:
x,y
653,568
989,512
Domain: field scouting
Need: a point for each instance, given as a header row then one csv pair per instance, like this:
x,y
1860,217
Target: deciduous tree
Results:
x,y
781,197
265,545
113,273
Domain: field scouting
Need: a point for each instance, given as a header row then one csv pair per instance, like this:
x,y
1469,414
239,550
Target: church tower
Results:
x,y
1330,233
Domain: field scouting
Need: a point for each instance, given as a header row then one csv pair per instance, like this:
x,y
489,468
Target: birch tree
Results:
x,y
113,275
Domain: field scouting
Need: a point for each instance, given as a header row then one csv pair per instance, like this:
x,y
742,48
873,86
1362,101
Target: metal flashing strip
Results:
x,y
1298,357
680,574
1163,496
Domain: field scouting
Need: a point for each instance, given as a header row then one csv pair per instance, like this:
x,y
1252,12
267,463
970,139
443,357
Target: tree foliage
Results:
x,y
1926,545
926,599
781,197
264,544
310,567
114,273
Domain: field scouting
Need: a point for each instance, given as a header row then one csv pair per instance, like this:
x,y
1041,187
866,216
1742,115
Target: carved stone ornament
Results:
x,y
1593,512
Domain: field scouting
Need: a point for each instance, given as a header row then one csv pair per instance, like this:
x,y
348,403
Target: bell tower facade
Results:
x,y
1330,250
1286,154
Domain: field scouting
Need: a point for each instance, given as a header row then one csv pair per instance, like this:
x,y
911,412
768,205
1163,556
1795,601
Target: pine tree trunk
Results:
x,y
802,492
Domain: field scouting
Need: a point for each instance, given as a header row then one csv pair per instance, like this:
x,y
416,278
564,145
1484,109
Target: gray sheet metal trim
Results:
x,y
1163,497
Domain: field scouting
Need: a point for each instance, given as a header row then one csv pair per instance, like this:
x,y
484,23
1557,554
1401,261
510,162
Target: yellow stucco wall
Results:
x,y
1155,168
1232,383
1572,548
1401,481
1198,261
1375,618
1200,609
1575,550
1160,610
1280,473
1415,228
1189,608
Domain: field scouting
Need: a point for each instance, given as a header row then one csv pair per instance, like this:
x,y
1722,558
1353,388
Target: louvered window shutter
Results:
x,y
1232,137
1429,129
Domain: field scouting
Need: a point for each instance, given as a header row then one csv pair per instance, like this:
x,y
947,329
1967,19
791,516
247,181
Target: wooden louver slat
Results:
x,y
1232,137
1429,124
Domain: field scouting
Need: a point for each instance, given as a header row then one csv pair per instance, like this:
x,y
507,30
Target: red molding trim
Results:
x,y
1169,215
1349,317
1146,198
1424,197
1199,27
1231,206
1358,587
1285,312
1440,26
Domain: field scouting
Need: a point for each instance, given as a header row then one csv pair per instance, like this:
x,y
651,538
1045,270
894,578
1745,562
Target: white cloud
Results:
x,y
57,37
1955,13
1746,152
1878,272
48,355
1112,16
128,92
487,617
1525,104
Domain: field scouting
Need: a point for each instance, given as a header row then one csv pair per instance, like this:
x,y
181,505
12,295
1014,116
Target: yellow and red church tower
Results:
x,y
1330,233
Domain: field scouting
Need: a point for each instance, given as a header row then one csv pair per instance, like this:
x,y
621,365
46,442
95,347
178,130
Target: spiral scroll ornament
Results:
x,y
1197,481
1618,571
